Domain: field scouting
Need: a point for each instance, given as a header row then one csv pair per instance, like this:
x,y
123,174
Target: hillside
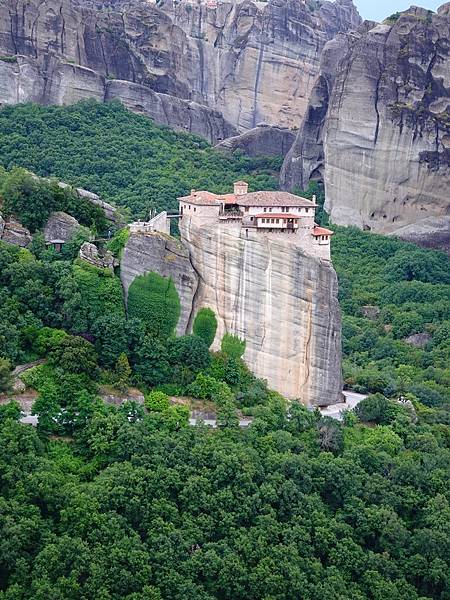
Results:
x,y
123,157
114,496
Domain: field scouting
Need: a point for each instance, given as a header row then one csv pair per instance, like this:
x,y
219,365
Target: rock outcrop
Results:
x,y
91,254
260,141
377,129
60,226
13,232
209,68
281,301
159,253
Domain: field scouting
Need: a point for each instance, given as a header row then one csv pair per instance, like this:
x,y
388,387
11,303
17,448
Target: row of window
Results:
x,y
274,220
187,206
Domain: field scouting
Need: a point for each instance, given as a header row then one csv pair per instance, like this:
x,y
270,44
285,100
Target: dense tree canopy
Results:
x,y
130,502
122,156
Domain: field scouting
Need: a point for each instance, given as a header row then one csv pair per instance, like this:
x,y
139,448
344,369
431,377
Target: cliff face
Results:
x,y
283,303
377,129
155,252
209,70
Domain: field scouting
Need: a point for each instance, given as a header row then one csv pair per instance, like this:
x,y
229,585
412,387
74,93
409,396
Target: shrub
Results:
x,y
233,345
5,375
157,401
206,387
376,409
122,372
11,410
205,325
154,299
74,354
46,339
118,242
151,362
189,351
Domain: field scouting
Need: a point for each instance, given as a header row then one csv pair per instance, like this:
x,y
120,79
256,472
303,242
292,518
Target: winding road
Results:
x,y
352,399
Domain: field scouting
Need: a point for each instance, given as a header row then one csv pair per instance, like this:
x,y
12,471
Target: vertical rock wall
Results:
x,y
377,129
211,71
159,253
282,302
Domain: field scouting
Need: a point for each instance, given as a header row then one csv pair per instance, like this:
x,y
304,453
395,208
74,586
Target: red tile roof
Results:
x,y
272,199
322,231
203,198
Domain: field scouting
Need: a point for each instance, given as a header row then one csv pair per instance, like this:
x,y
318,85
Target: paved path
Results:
x,y
352,399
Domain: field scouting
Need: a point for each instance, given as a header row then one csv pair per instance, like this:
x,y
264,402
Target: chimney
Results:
x,y
314,199
193,192
240,188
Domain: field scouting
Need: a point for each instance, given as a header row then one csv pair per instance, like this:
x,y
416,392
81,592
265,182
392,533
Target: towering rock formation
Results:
x,y
208,67
281,301
377,129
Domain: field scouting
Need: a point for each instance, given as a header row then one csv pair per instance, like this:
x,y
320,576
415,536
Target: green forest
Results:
x,y
129,502
90,144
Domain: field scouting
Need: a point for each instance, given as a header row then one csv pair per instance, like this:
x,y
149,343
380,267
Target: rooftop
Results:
x,y
322,231
274,198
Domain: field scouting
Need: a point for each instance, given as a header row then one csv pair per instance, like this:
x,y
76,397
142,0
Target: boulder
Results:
x,y
60,226
90,253
260,141
15,233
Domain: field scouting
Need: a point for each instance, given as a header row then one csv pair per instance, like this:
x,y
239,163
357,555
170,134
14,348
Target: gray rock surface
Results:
x,y
14,232
90,253
377,129
208,70
156,252
260,141
282,302
60,226
431,232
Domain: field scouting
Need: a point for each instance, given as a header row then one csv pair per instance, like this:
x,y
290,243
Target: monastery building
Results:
x,y
272,214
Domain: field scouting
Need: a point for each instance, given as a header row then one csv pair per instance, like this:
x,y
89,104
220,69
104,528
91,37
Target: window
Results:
x,y
277,220
265,210
195,209
189,207
272,220
246,210
307,210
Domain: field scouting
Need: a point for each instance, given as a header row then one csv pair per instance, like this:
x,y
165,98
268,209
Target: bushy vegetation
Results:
x,y
123,157
31,200
205,325
154,299
388,291
296,506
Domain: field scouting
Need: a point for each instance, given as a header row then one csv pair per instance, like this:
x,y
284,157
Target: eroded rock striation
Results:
x,y
377,129
209,68
281,301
